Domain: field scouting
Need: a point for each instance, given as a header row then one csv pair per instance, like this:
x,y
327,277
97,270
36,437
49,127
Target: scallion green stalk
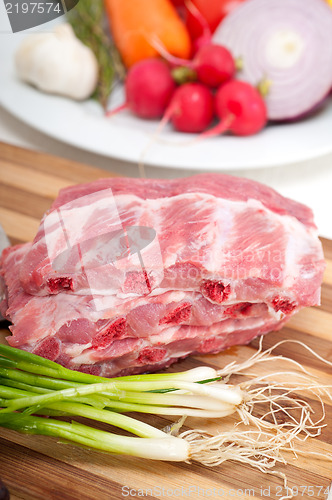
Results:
x,y
68,408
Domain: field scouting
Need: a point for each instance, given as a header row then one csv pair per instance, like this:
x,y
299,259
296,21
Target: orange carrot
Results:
x,y
134,23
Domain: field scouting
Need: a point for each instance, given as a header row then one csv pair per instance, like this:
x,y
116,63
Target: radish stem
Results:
x,y
116,110
191,7
222,127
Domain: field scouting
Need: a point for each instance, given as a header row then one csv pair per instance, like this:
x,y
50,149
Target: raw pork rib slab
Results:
x,y
129,275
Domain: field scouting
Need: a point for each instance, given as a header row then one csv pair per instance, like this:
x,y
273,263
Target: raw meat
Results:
x,y
128,275
132,336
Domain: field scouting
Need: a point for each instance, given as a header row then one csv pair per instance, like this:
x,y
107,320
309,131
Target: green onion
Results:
x,y
163,448
31,386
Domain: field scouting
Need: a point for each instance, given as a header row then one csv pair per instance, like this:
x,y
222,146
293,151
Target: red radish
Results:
x,y
191,108
240,108
213,63
149,87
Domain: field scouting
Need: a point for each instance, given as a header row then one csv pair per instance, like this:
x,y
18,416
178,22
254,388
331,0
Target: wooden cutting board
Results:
x,y
37,467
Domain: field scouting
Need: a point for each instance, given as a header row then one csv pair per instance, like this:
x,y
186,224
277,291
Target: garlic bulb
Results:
x,y
58,63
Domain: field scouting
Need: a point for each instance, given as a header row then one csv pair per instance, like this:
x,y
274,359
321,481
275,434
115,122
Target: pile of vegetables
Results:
x,y
266,60
191,62
191,107
38,396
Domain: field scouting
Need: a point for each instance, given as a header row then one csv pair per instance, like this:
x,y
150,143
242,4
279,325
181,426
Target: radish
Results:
x,y
213,64
286,44
240,108
191,108
149,87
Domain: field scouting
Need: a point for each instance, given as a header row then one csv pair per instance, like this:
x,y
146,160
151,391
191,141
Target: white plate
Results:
x,y
126,137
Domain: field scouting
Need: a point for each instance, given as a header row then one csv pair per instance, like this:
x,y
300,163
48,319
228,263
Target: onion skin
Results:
x,y
300,72
307,114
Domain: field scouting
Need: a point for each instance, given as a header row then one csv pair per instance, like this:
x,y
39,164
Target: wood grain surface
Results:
x,y
37,467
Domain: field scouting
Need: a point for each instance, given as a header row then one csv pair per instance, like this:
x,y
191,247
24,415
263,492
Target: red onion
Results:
x,y
287,46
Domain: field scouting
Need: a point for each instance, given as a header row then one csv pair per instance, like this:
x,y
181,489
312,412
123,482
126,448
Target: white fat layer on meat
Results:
x,y
74,350
67,226
113,306
301,241
224,224
277,315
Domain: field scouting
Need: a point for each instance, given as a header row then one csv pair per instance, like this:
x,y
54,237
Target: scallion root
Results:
x,y
274,418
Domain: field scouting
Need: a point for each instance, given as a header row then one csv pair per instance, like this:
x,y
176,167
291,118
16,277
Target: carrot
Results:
x,y
134,23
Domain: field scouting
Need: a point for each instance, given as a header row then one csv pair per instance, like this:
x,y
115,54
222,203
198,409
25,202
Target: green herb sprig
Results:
x,y
88,19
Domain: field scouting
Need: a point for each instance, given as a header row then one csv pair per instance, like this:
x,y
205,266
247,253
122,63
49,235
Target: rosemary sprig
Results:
x,y
87,19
